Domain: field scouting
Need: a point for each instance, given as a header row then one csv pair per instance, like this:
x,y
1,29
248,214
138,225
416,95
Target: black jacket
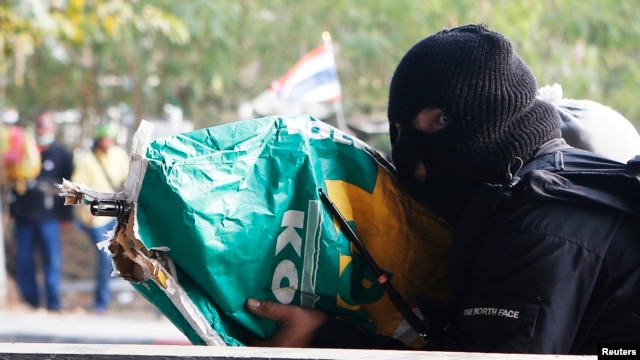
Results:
x,y
544,274
538,269
41,200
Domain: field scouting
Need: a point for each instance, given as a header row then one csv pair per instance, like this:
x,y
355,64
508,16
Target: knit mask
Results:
x,y
487,95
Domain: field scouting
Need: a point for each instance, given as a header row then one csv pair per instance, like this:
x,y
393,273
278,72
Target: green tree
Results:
x,y
210,56
89,55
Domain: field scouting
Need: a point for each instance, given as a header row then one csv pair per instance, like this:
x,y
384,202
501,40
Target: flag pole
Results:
x,y
337,105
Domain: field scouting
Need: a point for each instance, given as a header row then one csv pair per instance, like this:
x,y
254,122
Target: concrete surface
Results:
x,y
169,352
39,326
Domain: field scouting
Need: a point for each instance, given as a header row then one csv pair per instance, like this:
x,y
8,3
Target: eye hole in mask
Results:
x,y
394,132
430,120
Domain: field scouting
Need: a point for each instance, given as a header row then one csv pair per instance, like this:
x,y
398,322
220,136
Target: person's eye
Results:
x,y
443,120
430,120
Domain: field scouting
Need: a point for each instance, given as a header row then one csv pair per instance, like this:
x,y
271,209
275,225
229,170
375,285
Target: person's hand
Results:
x,y
297,324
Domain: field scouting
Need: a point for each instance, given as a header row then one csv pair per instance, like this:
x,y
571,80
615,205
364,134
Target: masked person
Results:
x,y
104,169
38,214
530,272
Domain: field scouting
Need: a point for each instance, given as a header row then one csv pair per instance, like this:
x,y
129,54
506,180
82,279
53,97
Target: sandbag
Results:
x,y
222,214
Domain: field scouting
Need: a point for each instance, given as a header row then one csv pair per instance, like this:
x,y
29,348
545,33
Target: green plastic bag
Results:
x,y
230,212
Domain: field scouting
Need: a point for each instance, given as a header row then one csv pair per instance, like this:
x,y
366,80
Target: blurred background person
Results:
x,y
40,216
104,169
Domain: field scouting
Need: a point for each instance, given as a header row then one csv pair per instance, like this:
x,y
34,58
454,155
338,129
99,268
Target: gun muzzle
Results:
x,y
113,208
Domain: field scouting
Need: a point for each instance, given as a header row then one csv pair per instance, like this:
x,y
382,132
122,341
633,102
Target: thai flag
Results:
x,y
312,79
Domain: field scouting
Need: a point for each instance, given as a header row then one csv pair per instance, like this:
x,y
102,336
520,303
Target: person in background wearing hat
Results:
x,y
104,169
528,274
40,217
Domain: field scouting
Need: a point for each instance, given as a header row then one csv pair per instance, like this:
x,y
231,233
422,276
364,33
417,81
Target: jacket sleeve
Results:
x,y
522,293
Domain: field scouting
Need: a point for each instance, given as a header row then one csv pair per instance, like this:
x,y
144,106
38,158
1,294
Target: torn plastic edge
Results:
x,y
123,244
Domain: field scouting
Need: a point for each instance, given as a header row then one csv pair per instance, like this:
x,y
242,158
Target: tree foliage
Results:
x,y
210,56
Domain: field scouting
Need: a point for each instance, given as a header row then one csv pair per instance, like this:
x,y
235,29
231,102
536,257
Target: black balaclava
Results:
x,y
488,95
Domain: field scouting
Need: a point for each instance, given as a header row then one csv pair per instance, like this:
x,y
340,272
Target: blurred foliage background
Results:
x,y
208,57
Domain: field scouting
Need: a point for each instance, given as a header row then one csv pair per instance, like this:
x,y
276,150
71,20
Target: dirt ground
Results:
x,y
78,271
